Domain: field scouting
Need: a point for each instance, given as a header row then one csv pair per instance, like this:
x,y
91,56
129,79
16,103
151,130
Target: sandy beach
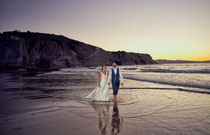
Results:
x,y
53,51
51,104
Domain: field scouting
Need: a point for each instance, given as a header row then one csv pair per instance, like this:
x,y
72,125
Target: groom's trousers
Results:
x,y
115,87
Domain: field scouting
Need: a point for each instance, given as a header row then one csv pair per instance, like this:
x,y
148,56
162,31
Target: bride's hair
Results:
x,y
102,67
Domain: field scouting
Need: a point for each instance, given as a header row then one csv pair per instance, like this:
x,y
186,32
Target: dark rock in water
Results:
x,y
51,52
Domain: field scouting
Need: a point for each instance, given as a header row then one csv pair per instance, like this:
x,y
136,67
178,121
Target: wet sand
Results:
x,y
51,104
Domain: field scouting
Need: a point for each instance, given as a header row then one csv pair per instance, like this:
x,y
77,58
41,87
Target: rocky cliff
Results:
x,y
49,51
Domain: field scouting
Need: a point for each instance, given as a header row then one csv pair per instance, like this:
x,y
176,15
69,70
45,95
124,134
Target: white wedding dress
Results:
x,y
100,93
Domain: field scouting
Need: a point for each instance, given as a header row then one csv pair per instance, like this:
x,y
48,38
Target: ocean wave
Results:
x,y
202,71
130,68
168,82
167,88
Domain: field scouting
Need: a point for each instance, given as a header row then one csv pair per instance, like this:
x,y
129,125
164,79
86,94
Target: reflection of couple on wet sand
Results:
x,y
101,93
99,98
102,108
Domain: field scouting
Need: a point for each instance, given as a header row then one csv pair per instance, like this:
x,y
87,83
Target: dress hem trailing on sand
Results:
x,y
100,93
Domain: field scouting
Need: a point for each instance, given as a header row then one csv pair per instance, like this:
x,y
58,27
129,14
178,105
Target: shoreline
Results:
x,y
51,103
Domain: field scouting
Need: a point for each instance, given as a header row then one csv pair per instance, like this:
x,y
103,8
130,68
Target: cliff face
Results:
x,y
49,51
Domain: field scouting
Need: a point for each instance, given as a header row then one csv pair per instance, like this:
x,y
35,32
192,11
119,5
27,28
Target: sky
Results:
x,y
165,29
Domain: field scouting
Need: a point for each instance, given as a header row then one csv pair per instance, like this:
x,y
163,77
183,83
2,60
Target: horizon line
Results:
x,y
103,48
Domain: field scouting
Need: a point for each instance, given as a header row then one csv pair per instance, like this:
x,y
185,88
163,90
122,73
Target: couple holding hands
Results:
x,y
101,93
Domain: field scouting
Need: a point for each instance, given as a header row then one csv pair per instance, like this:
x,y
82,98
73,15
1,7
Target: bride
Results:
x,y
100,93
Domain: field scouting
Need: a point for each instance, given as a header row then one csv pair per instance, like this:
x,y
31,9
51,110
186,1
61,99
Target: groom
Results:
x,y
116,78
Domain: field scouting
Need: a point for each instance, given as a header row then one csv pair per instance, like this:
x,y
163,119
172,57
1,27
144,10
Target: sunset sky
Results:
x,y
166,29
